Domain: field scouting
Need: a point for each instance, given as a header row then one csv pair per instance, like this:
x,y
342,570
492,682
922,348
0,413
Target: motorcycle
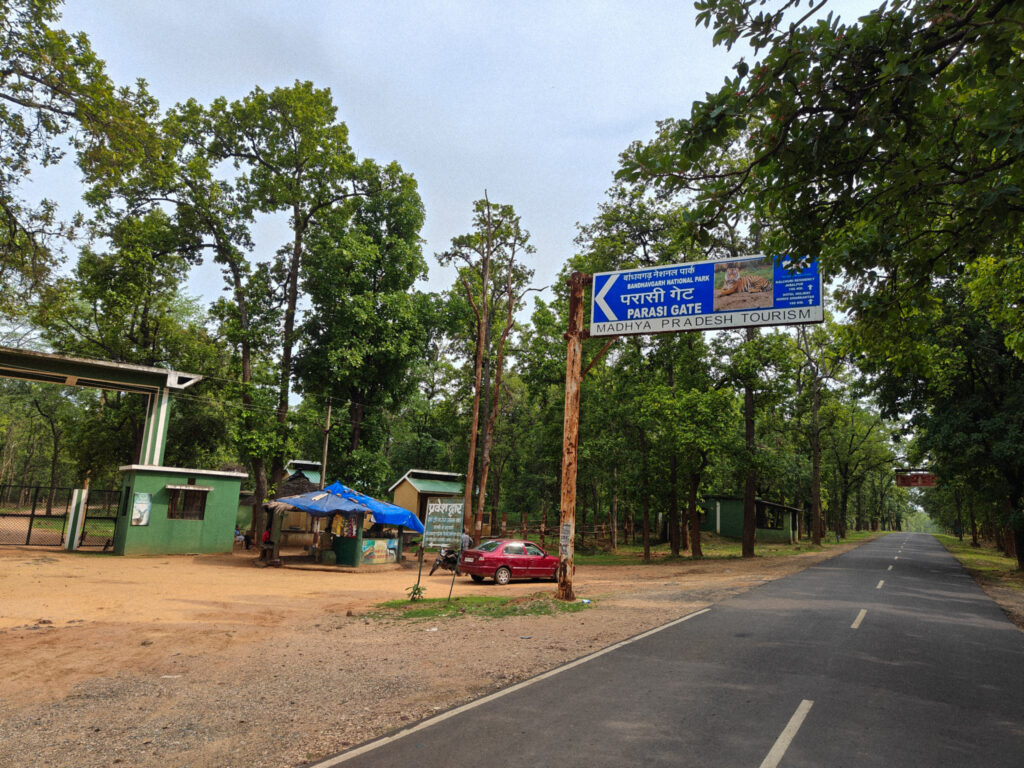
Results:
x,y
447,559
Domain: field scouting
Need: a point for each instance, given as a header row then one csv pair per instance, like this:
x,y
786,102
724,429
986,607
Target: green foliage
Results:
x,y
890,147
366,327
415,592
53,89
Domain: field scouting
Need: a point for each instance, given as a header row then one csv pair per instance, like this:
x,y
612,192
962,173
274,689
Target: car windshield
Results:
x,y
489,546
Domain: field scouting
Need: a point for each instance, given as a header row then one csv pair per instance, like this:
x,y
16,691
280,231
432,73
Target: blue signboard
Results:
x,y
706,295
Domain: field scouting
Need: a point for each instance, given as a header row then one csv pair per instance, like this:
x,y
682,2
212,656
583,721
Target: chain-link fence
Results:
x,y
33,514
100,515
37,515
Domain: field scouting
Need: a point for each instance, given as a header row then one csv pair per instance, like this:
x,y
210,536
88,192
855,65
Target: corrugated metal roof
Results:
x,y
427,474
435,486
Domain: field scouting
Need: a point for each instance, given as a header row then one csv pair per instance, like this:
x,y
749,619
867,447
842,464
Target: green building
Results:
x,y
776,523
168,510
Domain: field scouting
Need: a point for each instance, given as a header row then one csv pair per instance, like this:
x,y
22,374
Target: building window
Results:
x,y
187,502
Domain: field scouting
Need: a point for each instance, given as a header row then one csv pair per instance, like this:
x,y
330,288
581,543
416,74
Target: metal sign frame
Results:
x,y
706,296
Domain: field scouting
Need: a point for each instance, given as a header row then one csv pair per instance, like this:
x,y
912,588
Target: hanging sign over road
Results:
x,y
706,296
915,479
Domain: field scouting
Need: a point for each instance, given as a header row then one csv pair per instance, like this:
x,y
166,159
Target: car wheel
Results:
x,y
476,577
554,574
502,576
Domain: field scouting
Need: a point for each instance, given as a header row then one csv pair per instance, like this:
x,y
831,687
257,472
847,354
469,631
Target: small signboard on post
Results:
x,y
443,524
706,296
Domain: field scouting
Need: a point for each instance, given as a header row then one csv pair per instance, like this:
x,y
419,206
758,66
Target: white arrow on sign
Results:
x,y
599,298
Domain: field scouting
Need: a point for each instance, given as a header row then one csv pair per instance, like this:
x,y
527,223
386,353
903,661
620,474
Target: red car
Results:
x,y
505,559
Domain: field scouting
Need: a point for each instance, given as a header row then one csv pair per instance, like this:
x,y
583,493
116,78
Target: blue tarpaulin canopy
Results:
x,y
337,498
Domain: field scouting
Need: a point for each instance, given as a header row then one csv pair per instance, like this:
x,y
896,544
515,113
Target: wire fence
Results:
x,y
37,515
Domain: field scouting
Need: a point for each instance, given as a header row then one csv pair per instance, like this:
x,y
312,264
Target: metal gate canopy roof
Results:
x,y
80,372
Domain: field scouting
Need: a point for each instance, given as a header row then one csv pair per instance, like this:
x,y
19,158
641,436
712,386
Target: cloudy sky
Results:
x,y
530,101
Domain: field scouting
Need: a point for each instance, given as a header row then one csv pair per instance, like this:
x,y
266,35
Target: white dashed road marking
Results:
x,y
773,758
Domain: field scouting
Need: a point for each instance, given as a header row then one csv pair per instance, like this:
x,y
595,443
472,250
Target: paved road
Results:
x,y
888,655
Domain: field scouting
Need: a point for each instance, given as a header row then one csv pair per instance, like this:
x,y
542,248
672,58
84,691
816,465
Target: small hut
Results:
x,y
413,489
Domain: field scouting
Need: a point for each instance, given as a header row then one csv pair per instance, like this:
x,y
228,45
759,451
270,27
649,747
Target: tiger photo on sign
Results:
x,y
743,286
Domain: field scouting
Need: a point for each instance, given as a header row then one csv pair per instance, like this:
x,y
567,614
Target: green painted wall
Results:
x,y
725,516
350,551
163,536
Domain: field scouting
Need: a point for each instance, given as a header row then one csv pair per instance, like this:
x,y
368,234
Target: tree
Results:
x,y
494,282
293,157
962,390
858,446
820,364
760,365
845,157
366,327
52,88
126,304
691,417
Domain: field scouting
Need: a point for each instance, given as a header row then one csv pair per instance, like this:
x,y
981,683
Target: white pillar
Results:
x,y
154,438
76,519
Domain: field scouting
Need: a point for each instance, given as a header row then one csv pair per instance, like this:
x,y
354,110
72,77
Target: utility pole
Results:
x,y
570,434
323,458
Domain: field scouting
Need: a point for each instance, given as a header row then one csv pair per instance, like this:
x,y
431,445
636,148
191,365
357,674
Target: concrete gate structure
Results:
x,y
163,485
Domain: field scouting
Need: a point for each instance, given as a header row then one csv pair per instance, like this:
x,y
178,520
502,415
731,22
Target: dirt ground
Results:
x,y
208,661
738,301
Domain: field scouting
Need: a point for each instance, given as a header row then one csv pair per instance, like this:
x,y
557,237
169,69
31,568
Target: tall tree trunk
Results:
x,y
646,533
673,504
974,522
356,413
481,337
492,417
816,523
840,519
260,493
277,471
695,549
645,498
51,422
485,411
613,513
750,484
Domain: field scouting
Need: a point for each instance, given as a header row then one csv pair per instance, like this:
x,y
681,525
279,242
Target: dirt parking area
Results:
x,y
208,661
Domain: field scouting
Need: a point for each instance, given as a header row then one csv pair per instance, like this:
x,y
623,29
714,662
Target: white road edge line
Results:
x,y
859,619
345,756
774,757
880,583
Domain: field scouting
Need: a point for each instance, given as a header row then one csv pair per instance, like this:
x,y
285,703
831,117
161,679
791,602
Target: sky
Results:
x,y
529,101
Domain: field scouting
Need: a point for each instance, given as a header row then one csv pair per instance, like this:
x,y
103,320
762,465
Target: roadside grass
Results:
x,y
538,604
56,525
985,563
714,547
